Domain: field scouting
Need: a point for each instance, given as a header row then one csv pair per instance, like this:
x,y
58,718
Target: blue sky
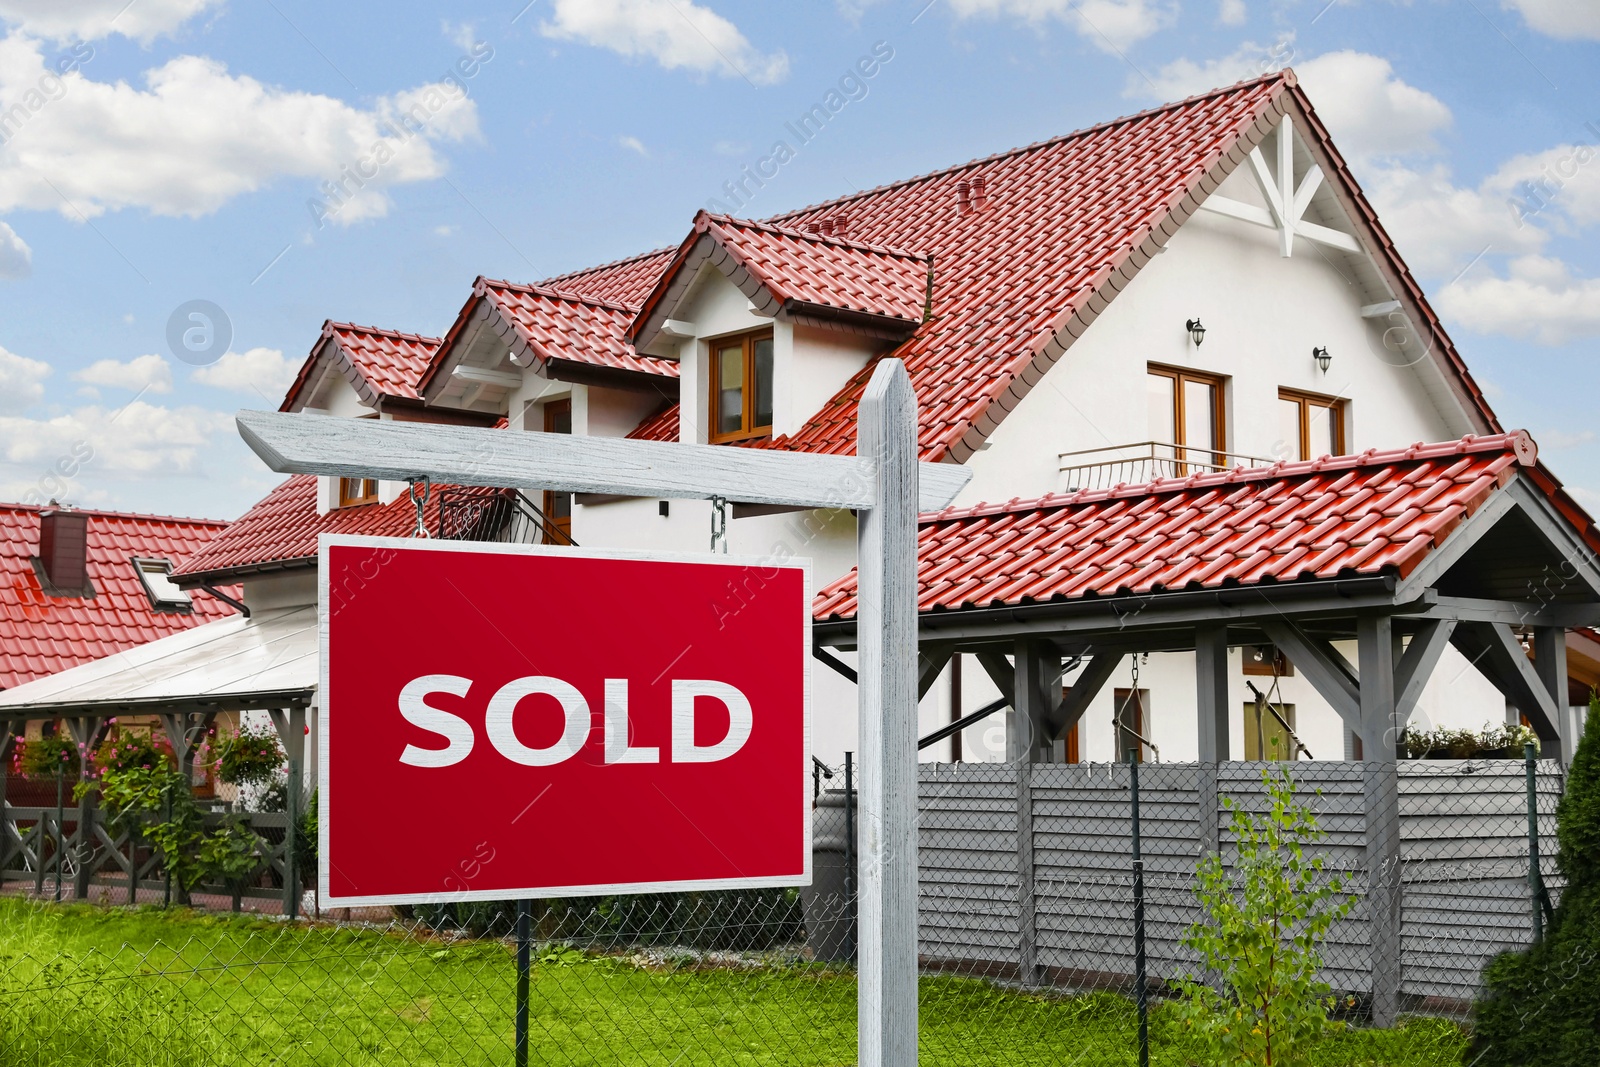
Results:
x,y
183,154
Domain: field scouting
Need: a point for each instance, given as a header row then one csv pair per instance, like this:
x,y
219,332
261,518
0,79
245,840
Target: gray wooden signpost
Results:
x,y
886,486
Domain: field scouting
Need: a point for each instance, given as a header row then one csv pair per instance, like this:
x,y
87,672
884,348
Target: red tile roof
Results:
x,y
282,529
1351,515
559,324
794,269
662,426
41,634
1064,226
378,363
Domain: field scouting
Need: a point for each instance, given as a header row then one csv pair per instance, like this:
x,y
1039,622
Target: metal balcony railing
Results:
x,y
504,515
1145,461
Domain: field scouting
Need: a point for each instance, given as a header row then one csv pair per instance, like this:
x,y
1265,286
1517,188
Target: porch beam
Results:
x,y
998,667
1550,664
290,724
931,662
1494,649
468,455
1327,670
1380,725
837,665
1036,690
1416,666
1458,544
1096,673
1516,612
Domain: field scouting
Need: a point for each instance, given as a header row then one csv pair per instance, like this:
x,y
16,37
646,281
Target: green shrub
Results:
x,y
1541,1007
1264,920
249,757
49,756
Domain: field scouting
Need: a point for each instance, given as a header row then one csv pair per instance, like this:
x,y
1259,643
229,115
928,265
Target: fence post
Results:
x,y
524,952
1535,875
1141,992
85,849
8,743
61,828
291,869
850,853
166,866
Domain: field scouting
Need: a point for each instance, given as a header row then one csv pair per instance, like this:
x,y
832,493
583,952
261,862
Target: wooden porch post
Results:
x,y
886,1002
1550,663
1380,741
87,730
10,731
1036,692
1213,713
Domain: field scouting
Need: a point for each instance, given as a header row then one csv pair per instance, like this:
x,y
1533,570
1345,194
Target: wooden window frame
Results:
x,y
1336,408
558,524
364,491
1216,448
747,431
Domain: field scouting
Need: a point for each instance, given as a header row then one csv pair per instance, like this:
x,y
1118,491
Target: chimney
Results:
x,y
64,547
980,193
963,198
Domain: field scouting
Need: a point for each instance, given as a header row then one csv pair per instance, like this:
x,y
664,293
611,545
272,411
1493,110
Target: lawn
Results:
x,y
118,988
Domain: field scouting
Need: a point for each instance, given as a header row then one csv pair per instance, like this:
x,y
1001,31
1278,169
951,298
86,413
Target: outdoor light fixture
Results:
x,y
1323,357
1197,332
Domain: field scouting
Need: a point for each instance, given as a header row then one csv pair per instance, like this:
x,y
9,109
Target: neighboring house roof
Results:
x,y
379,364
804,273
42,634
281,531
1333,517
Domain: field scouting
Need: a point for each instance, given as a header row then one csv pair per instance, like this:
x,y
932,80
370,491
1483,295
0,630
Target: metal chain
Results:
x,y
421,503
719,524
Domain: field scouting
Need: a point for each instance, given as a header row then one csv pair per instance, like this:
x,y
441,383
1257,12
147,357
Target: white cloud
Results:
x,y
16,258
90,20
677,34
21,381
1539,299
1184,77
1232,12
1440,227
463,35
150,373
197,137
1559,439
1567,19
1557,187
136,439
1369,111
633,144
1110,24
260,370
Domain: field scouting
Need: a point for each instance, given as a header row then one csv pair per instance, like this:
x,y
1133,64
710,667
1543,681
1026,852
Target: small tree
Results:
x,y
1264,920
1541,1007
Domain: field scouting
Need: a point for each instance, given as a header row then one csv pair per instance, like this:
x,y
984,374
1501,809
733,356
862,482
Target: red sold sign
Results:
x,y
509,721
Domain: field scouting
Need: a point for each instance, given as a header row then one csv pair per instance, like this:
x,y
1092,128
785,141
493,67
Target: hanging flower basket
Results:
x,y
249,757
48,756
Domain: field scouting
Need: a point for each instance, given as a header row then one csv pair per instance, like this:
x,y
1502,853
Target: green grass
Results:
x,y
108,988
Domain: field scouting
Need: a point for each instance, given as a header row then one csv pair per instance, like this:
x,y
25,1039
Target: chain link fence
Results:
x,y
1028,939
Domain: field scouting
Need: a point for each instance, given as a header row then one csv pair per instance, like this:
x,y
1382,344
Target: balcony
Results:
x,y
1145,461
503,515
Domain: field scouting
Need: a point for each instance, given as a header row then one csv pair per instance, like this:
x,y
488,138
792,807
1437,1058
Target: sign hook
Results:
x,y
719,524
421,503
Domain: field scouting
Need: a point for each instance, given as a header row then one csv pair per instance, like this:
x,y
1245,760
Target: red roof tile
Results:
x,y
558,324
378,363
41,634
795,269
1350,515
662,426
282,529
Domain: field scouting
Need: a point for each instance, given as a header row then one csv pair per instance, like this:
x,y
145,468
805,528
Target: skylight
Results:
x,y
155,575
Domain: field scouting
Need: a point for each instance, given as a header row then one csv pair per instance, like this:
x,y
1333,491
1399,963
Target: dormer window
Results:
x,y
356,491
156,577
741,387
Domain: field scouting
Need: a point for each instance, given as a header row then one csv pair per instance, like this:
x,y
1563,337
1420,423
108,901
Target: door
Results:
x,y
558,506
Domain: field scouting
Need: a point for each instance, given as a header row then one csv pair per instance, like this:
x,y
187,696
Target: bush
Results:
x,y
1502,742
1264,921
1541,1007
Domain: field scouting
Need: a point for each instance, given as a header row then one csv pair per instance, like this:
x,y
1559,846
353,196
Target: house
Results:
x,y
82,584
1177,294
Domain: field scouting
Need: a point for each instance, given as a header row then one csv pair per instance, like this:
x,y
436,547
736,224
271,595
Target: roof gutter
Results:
x,y
200,579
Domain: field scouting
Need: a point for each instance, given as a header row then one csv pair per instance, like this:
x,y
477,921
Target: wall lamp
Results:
x,y
1323,357
1197,332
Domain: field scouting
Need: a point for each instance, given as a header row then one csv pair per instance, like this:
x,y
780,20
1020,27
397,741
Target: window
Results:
x,y
1187,410
354,491
558,506
1132,712
1311,425
155,576
1265,734
741,388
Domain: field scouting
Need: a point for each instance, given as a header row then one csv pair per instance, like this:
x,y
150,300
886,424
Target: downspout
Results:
x,y
236,605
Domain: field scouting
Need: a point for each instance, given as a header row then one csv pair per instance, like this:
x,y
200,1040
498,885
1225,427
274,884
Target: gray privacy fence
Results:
x,y
1053,905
